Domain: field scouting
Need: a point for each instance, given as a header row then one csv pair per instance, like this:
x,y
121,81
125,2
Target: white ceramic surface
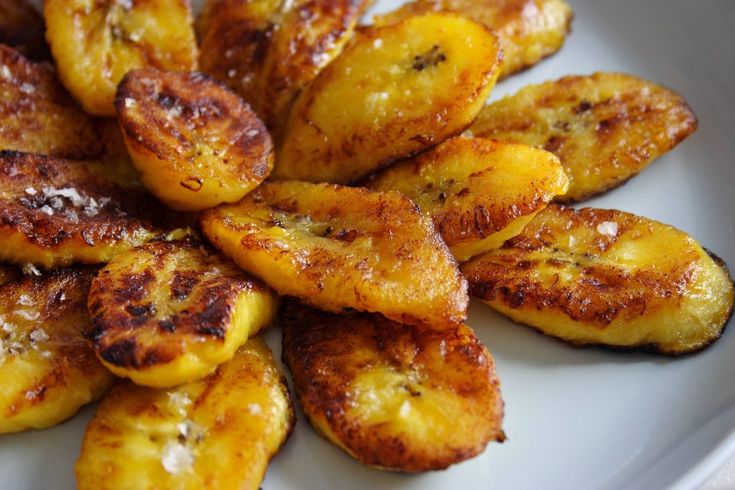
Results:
x,y
576,419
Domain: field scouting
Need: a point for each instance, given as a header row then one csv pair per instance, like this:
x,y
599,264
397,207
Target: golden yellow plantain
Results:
x,y
195,143
599,277
96,42
393,92
342,247
393,396
528,30
56,212
168,313
22,28
605,128
37,115
47,369
269,50
217,433
478,192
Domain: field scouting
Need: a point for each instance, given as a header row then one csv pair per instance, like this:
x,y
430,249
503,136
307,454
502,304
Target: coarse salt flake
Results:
x,y
27,88
177,458
255,409
130,103
608,228
31,191
39,335
378,43
30,270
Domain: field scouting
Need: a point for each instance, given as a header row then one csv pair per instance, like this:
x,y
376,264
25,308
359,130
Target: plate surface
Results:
x,y
576,419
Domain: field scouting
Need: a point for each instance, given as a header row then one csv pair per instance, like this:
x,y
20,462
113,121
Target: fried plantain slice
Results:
x,y
22,28
96,42
478,192
37,115
196,143
342,247
56,212
168,313
268,51
528,30
393,396
47,369
219,432
605,277
394,91
605,128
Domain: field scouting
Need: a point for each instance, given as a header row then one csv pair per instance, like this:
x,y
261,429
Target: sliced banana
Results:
x,y
195,143
56,212
169,313
342,247
47,369
605,128
268,51
220,432
37,115
605,277
393,92
96,42
393,396
478,192
528,30
22,28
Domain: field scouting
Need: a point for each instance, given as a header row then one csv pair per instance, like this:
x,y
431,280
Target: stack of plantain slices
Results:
x,y
348,180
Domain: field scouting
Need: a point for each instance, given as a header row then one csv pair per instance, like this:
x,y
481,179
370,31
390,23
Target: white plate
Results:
x,y
576,419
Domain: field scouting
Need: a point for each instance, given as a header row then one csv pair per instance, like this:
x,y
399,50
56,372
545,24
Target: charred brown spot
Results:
x,y
431,58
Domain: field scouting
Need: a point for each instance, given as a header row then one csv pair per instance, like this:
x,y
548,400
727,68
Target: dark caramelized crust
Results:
x,y
22,28
42,322
268,52
149,305
56,212
37,115
605,128
440,384
607,277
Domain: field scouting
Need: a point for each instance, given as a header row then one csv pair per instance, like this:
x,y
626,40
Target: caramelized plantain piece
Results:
x,y
55,212
22,28
395,91
393,396
168,313
605,128
37,115
478,192
195,143
48,372
528,30
95,43
219,432
341,247
599,277
115,160
268,51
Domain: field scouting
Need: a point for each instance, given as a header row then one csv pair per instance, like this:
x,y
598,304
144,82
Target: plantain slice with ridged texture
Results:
x,y
478,192
393,92
56,212
605,277
268,51
341,247
605,128
22,28
47,369
96,42
220,432
168,313
195,143
528,30
393,396
37,115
